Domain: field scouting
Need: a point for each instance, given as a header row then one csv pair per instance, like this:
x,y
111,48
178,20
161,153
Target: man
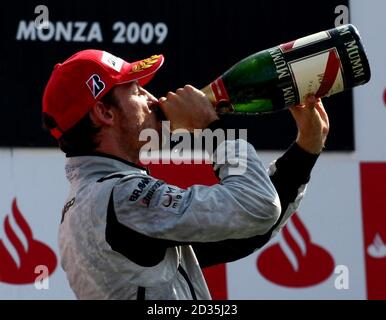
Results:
x,y
117,238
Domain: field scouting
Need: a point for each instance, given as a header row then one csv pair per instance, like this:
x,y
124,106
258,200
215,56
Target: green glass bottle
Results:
x,y
321,64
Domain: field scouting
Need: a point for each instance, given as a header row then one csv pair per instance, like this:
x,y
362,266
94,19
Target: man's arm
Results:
x,y
289,174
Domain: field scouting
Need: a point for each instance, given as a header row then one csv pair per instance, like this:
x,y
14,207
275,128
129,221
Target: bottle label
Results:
x,y
319,74
305,41
356,57
219,91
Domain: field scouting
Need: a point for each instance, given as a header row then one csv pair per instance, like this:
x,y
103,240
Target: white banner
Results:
x,y
33,188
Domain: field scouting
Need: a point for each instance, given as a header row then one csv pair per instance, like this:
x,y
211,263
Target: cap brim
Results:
x,y
142,71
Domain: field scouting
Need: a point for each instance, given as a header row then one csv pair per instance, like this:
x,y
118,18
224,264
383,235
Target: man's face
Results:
x,y
136,112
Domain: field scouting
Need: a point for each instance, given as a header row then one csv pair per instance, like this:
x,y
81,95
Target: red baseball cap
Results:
x,y
84,78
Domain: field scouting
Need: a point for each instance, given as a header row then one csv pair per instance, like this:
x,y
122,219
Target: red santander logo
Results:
x,y
296,261
30,254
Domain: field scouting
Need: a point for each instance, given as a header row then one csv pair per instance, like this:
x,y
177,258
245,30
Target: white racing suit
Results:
x,y
127,235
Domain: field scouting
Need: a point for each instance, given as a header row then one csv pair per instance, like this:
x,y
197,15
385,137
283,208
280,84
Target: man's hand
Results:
x,y
188,108
313,125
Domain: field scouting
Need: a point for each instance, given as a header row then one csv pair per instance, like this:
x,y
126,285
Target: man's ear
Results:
x,y
102,115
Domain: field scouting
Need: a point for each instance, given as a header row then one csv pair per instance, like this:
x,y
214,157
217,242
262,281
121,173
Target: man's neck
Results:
x,y
118,154
112,148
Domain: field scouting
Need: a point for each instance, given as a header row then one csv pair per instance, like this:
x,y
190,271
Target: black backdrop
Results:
x,y
204,38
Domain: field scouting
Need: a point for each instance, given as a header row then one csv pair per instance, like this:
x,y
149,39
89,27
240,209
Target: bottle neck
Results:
x,y
210,94
216,91
220,105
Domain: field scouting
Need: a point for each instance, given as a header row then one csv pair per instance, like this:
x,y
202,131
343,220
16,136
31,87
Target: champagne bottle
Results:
x,y
321,64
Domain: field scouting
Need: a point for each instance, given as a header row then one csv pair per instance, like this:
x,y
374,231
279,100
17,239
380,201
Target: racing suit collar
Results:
x,y
80,166
106,155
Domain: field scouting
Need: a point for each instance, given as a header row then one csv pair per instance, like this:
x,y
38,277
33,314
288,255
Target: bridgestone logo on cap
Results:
x,y
96,85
